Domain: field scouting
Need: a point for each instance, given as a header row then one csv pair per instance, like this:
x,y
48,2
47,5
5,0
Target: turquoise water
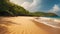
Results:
x,y
58,18
54,17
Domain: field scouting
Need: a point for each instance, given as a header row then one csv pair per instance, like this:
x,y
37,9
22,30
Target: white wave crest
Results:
x,y
49,21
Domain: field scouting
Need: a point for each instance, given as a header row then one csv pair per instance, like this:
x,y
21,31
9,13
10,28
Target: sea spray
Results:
x,y
49,21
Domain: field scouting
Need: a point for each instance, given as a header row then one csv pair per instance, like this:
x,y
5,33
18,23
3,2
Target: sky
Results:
x,y
40,5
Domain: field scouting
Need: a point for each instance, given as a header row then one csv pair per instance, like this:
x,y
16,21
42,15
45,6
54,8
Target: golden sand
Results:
x,y
24,25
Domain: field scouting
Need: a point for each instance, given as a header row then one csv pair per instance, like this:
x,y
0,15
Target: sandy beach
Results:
x,y
24,25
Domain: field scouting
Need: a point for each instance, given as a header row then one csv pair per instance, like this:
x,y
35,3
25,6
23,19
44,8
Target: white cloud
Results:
x,y
31,5
55,9
25,5
16,1
34,5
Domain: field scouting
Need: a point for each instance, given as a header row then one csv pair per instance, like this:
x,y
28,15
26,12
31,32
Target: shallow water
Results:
x,y
54,17
50,21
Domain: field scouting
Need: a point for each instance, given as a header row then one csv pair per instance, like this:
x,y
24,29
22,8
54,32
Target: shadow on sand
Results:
x,y
4,26
3,30
46,28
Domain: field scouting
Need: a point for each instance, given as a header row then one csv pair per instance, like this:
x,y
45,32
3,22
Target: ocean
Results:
x,y
50,21
54,17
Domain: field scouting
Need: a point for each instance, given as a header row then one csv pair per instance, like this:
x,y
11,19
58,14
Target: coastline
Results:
x,y
26,25
55,23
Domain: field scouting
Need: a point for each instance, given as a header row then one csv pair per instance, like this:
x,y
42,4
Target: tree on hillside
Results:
x,y
10,9
6,7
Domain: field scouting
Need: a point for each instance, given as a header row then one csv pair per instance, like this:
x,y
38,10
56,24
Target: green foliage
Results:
x,y
43,14
10,9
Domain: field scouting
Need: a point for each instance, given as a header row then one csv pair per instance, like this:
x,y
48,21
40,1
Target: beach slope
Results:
x,y
22,25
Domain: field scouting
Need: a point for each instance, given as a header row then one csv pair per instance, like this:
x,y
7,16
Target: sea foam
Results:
x,y
49,21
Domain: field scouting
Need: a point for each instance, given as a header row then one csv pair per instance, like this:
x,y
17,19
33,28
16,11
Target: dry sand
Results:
x,y
24,25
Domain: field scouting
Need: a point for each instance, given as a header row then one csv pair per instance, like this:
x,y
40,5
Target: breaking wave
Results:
x,y
53,22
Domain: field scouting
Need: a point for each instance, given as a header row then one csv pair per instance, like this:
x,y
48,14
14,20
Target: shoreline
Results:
x,y
48,21
26,25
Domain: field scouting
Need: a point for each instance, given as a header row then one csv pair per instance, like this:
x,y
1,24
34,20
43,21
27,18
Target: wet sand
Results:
x,y
25,25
